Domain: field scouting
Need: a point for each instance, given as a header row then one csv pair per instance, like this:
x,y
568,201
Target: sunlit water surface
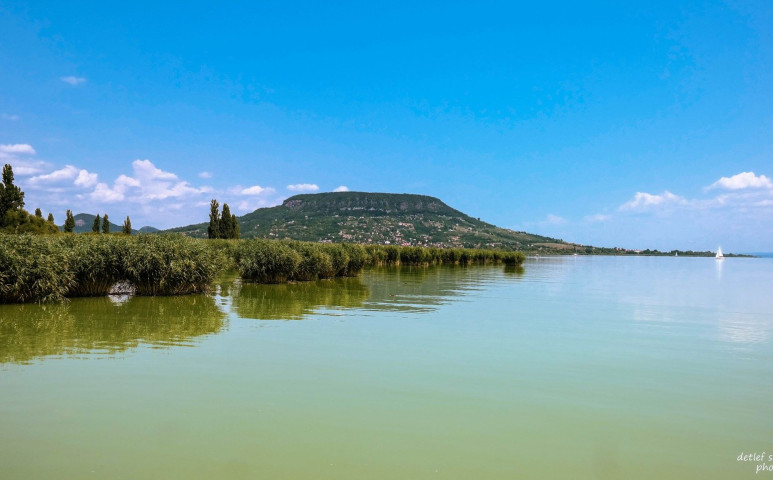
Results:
x,y
574,367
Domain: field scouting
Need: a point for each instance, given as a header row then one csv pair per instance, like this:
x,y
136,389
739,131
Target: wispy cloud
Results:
x,y
741,181
17,148
205,175
16,154
598,218
253,203
256,190
78,177
644,201
303,187
342,188
72,80
9,117
552,219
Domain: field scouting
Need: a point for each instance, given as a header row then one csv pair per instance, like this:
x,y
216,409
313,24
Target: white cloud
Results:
x,y
303,187
9,117
79,177
599,217
643,201
147,183
9,153
252,204
67,173
554,220
205,175
342,188
104,193
72,80
22,148
85,179
742,181
25,168
256,190
146,170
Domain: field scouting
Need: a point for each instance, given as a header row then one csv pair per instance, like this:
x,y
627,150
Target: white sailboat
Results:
x,y
719,255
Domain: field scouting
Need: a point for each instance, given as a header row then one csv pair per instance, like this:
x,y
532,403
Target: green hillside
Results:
x,y
379,218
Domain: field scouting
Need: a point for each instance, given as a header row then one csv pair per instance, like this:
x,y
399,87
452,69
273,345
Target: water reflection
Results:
x,y
106,326
296,300
99,326
408,289
515,271
423,289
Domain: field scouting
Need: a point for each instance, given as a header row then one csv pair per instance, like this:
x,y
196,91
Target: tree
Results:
x,y
105,224
51,217
226,229
69,223
237,231
127,226
214,219
11,196
38,213
95,226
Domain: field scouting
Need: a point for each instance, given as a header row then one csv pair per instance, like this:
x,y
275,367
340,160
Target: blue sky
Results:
x,y
597,122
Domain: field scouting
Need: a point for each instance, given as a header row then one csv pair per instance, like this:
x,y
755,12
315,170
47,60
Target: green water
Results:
x,y
574,367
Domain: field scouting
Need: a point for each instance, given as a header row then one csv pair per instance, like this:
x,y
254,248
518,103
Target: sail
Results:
x,y
719,252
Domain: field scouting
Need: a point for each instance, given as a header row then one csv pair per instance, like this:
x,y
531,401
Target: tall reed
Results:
x,y
170,265
266,261
33,268
97,262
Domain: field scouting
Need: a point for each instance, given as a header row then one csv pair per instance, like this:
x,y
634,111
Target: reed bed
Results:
x,y
170,265
45,268
267,261
40,268
97,262
33,268
271,261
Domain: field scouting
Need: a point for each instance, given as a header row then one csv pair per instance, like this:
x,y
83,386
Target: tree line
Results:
x,y
14,219
222,225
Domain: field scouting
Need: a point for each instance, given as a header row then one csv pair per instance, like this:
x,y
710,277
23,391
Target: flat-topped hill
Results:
x,y
380,218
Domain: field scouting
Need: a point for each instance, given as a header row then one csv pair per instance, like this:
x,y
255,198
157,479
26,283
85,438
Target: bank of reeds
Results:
x,y
33,268
44,268
39,268
170,265
96,261
398,255
271,261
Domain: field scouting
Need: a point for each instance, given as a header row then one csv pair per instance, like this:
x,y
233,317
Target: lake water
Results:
x,y
573,367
